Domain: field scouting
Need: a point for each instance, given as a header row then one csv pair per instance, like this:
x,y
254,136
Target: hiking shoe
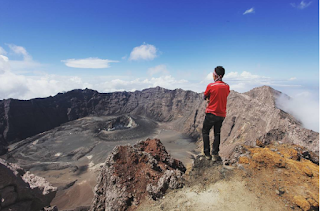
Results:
x,y
208,157
216,158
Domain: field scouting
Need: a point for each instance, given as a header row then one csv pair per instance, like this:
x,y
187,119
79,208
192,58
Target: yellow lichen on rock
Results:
x,y
267,158
301,202
244,160
313,202
284,168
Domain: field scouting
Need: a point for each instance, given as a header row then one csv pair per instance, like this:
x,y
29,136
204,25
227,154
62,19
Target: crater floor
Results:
x,y
70,156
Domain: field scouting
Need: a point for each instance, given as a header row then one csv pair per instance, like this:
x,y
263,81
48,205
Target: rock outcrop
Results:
x,y
284,168
250,116
20,190
131,173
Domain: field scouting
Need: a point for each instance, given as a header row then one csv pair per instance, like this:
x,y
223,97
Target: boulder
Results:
x,y
131,173
20,190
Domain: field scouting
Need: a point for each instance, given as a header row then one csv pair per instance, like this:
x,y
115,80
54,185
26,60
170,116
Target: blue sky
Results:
x,y
51,46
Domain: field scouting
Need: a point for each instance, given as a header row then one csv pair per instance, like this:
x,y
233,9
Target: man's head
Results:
x,y
218,73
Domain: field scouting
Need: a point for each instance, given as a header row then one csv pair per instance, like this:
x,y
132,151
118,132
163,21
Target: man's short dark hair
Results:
x,y
220,70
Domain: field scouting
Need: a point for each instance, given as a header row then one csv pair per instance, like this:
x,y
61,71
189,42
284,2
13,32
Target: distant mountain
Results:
x,y
250,116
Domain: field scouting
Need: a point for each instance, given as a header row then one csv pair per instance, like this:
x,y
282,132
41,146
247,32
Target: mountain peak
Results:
x,y
264,94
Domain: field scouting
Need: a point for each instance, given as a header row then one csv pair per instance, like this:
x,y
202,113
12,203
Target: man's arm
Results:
x,y
206,94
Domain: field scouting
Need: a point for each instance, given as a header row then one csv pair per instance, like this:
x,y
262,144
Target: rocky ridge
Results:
x,y
250,116
131,173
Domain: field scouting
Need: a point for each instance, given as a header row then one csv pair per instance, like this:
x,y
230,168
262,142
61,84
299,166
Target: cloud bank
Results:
x,y
143,52
13,84
94,63
303,106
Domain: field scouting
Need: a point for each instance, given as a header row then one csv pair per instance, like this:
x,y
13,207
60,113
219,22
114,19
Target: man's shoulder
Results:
x,y
218,83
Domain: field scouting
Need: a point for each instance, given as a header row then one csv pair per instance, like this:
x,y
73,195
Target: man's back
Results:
x,y
217,92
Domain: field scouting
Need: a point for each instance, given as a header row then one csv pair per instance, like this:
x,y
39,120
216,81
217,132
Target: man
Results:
x,y
216,95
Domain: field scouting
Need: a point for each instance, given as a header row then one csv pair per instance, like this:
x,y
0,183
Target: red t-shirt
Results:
x,y
218,93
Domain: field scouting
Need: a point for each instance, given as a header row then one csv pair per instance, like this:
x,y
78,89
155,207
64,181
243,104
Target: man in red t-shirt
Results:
x,y
216,95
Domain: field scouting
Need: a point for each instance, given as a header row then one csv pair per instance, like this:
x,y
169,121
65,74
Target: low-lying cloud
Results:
x,y
304,106
40,84
94,63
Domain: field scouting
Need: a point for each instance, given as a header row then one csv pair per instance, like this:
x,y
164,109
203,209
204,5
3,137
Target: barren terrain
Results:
x,y
71,155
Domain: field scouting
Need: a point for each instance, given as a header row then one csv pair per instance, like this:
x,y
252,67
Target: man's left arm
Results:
x,y
206,94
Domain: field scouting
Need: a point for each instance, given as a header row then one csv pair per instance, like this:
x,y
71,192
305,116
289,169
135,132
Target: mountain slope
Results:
x,y
250,116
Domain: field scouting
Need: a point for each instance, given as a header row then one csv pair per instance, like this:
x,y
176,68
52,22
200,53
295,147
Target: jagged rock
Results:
x,y
170,179
132,172
20,190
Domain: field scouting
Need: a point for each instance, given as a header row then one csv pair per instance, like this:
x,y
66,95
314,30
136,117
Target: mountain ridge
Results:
x,y
250,115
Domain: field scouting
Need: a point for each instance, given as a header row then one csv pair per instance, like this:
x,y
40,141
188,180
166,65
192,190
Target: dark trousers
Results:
x,y
210,121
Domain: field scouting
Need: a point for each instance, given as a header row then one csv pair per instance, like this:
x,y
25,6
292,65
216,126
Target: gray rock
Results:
x,y
8,196
19,206
22,190
170,179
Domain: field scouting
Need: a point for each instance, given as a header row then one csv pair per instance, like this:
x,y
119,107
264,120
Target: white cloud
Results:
x,y
248,11
40,84
4,64
162,69
302,5
88,63
292,79
19,50
245,81
143,52
243,76
27,63
2,51
167,81
307,113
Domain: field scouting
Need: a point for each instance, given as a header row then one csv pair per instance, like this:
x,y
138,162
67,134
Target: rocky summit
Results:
x,y
131,173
